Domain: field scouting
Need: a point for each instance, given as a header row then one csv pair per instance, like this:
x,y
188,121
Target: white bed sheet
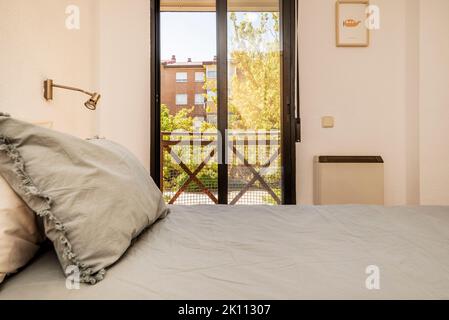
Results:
x,y
287,252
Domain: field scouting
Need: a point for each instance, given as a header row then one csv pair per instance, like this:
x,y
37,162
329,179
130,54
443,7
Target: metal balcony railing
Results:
x,y
189,167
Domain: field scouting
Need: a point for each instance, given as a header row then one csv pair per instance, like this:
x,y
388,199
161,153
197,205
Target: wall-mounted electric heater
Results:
x,y
342,180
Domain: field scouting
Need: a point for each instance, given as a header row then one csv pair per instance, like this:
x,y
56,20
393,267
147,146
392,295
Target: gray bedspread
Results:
x,y
296,252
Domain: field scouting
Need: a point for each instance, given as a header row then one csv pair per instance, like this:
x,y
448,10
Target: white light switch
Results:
x,y
327,122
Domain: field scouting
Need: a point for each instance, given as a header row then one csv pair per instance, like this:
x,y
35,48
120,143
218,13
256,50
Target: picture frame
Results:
x,y
350,17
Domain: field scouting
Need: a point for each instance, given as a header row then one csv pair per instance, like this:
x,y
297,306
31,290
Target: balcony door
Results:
x,y
222,91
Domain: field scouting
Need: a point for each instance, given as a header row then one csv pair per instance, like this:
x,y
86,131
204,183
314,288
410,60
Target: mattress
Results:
x,y
257,252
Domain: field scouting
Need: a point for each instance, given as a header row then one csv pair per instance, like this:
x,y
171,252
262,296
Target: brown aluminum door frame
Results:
x,y
288,121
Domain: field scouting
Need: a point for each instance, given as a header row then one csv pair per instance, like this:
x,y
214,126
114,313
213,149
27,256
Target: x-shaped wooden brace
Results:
x,y
257,176
192,176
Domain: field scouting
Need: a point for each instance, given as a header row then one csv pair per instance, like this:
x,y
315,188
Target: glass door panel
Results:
x,y
188,155
254,103
222,95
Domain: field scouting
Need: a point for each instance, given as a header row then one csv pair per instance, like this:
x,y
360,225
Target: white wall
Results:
x,y
363,88
389,99
434,102
110,53
124,74
35,45
412,102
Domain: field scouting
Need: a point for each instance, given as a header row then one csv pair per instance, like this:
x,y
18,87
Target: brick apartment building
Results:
x,y
189,84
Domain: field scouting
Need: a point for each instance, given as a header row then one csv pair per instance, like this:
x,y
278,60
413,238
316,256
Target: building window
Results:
x,y
199,76
181,76
199,98
211,95
212,74
181,99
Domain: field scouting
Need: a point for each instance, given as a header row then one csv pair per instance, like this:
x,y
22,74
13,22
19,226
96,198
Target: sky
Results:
x,y
193,34
188,35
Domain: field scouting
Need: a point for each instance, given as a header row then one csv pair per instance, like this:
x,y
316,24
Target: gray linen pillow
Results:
x,y
93,196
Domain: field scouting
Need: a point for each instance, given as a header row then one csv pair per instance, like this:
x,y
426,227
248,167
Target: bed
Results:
x,y
259,252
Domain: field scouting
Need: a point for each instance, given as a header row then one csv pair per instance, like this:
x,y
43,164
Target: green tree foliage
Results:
x,y
180,121
255,87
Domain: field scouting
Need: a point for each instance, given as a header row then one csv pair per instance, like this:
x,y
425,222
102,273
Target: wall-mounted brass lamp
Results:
x,y
90,104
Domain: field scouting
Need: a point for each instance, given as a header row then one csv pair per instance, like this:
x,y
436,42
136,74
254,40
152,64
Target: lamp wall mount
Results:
x,y
90,104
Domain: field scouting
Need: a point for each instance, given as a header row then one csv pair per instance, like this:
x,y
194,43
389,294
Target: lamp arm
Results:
x,y
72,88
91,104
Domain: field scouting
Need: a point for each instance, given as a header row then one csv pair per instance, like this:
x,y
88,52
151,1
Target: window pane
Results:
x,y
189,167
181,99
211,95
199,98
181,76
199,76
254,102
212,74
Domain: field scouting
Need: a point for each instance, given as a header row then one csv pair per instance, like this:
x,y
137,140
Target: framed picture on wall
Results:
x,y
351,30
